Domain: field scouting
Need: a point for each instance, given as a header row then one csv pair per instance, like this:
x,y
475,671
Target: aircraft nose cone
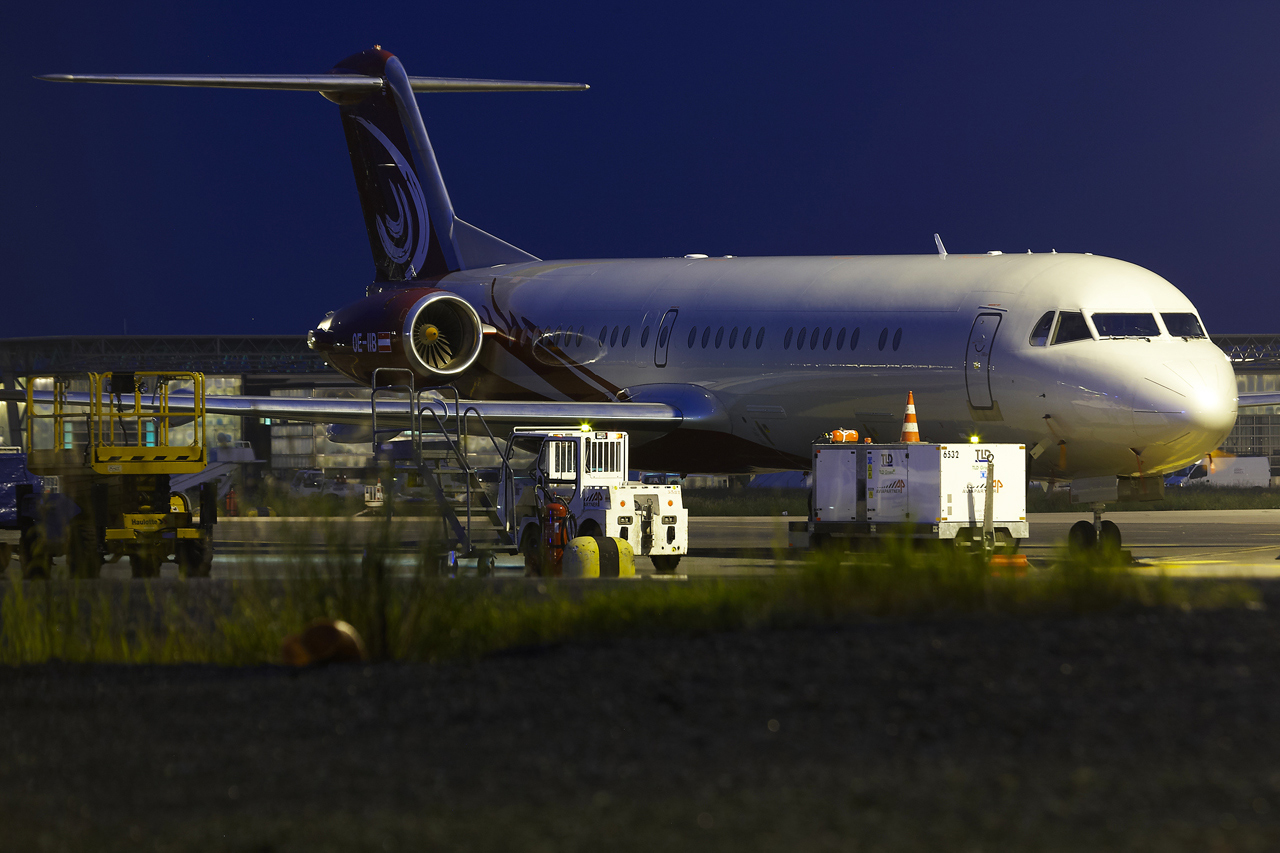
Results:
x,y
1185,409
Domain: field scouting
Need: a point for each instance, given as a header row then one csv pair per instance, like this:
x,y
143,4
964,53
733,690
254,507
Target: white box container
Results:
x,y
937,489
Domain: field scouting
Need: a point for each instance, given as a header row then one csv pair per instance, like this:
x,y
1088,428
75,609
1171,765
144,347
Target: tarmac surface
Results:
x,y
1205,543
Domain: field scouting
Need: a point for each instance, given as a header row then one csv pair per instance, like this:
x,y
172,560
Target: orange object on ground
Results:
x,y
844,435
910,429
324,641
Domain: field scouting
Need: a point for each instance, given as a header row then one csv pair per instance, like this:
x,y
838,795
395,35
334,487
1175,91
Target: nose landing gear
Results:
x,y
1097,537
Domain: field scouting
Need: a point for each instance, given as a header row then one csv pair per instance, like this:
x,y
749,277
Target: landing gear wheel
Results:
x,y
1082,538
33,554
84,557
195,558
531,547
665,564
1109,538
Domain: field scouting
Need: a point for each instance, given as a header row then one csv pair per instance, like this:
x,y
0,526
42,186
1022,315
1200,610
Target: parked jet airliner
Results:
x,y
1102,368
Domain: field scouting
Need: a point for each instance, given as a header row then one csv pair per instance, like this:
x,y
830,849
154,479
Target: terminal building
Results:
x,y
281,365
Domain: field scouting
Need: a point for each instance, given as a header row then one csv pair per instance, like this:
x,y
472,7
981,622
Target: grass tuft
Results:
x,y
423,617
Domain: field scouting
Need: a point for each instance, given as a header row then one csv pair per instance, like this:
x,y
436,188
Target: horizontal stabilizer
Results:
x,y
315,82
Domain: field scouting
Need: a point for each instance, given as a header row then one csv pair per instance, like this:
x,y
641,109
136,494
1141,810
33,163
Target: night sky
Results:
x,y
1144,132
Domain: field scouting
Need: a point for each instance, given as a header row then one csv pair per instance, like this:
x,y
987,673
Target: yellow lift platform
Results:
x,y
113,451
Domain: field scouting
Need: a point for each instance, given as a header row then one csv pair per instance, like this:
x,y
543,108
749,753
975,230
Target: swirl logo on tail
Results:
x,y
404,237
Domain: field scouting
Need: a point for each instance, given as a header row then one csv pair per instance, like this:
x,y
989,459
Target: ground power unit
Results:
x,y
937,491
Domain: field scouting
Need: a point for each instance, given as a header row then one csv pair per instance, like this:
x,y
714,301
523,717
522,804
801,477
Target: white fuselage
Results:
x,y
844,340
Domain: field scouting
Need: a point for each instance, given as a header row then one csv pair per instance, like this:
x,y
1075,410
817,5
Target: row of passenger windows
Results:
x,y
621,336
1071,326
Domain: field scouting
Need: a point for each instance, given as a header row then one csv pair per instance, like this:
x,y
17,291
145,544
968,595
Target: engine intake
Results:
x,y
442,335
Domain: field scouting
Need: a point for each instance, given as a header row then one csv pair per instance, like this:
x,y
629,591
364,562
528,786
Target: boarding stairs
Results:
x,y
454,455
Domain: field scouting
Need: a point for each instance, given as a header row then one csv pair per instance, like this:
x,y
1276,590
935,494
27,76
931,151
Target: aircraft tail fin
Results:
x,y
413,232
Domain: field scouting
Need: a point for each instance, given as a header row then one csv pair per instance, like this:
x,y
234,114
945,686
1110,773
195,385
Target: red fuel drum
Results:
x,y
430,331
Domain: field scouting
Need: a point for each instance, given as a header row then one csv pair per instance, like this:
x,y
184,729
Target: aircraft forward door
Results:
x,y
977,368
663,342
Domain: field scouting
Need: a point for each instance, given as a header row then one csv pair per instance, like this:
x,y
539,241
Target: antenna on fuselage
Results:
x,y
942,250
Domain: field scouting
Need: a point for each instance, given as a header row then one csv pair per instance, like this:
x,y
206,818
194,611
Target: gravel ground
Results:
x,y
1143,730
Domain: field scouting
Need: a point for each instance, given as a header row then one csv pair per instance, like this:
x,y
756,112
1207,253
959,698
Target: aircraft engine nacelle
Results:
x,y
432,332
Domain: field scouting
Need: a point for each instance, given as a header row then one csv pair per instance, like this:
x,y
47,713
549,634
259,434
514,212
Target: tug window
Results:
x,y
1040,334
1071,327
1183,325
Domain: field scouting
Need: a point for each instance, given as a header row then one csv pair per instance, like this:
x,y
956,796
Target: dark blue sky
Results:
x,y
1145,132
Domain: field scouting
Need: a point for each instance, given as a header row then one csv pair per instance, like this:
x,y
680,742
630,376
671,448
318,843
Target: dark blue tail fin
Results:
x,y
413,232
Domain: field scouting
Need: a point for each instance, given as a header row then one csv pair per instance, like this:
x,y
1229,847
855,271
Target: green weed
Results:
x,y
424,617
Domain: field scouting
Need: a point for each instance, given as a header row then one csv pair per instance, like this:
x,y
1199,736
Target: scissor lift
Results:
x,y
113,456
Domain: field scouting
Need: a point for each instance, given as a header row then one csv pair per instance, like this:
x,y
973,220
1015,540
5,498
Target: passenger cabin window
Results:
x,y
1071,327
1126,325
1183,325
1040,334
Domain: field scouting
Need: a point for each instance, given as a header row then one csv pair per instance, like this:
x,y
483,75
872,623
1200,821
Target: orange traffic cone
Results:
x,y
910,430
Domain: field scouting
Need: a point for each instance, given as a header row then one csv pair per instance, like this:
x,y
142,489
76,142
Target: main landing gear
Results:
x,y
1100,536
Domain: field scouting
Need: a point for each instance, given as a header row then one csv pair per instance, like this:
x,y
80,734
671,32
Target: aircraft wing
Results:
x,y
1247,401
646,417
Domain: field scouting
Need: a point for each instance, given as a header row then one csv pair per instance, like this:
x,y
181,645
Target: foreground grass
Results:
x,y
427,618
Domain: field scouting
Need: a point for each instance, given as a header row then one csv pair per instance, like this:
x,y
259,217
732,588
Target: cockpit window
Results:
x,y
1126,325
1071,327
1183,325
1040,334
